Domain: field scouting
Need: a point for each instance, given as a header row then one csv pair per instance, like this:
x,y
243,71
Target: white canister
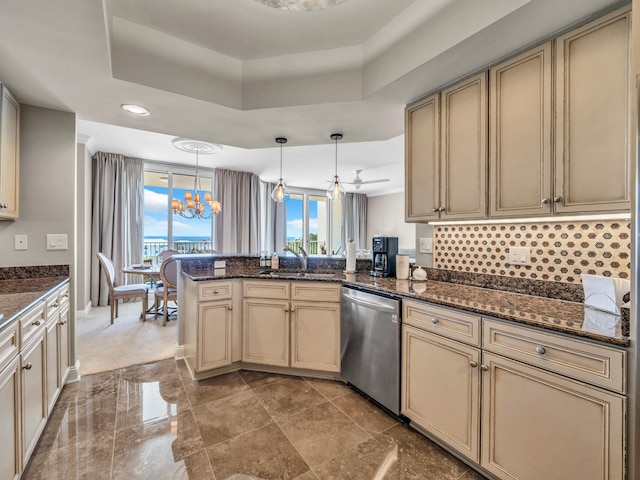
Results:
x,y
402,266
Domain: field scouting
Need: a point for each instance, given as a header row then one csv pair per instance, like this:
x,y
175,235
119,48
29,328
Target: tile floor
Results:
x,y
154,422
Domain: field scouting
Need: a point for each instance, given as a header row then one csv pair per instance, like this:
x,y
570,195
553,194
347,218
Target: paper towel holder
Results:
x,y
349,253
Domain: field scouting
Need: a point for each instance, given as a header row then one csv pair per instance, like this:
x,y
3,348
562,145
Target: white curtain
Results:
x,y
117,217
237,226
354,211
273,216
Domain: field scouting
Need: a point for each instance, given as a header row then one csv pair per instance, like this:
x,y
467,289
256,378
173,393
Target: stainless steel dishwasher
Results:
x,y
370,344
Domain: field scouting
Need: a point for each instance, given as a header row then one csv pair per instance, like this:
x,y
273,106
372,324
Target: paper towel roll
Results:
x,y
351,257
402,266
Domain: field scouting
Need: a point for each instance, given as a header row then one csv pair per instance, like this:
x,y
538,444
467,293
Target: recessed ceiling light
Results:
x,y
135,109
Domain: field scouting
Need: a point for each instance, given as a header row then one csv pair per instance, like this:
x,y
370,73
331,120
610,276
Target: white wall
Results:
x,y
385,216
47,195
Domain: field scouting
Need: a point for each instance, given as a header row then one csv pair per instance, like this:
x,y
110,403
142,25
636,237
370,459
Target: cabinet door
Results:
x,y
463,130
266,331
315,336
422,157
9,155
520,135
34,402
10,453
441,388
53,380
537,425
214,335
593,119
63,345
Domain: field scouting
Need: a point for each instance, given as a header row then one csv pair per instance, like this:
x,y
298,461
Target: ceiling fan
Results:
x,y
358,182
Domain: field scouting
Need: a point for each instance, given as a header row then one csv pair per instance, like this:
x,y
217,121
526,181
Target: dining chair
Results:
x,y
168,290
120,292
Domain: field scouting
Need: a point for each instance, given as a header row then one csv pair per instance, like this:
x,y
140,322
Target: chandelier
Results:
x,y
195,203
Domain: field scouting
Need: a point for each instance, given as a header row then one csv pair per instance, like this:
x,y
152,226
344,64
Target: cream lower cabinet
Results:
x,y
441,388
536,424
292,324
214,334
34,388
57,339
540,414
10,404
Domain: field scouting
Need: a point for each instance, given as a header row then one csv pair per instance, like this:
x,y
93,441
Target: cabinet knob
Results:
x,y
558,199
27,366
55,305
230,307
62,322
215,292
293,309
37,323
484,368
441,209
540,350
545,200
434,320
436,209
473,364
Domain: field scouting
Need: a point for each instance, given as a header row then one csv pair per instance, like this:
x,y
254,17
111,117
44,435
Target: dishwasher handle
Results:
x,y
380,307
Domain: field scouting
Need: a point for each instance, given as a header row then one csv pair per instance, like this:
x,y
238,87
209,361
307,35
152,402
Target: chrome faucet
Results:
x,y
303,258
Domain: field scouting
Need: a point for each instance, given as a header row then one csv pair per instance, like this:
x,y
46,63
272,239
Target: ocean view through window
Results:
x,y
162,229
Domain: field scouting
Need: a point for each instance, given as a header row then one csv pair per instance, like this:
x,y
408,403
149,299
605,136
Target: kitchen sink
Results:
x,y
294,275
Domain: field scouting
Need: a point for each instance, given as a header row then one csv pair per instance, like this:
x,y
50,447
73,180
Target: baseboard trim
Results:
x,y
74,373
180,352
84,313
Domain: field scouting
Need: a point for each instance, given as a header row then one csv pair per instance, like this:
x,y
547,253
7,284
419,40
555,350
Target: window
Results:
x,y
162,229
314,222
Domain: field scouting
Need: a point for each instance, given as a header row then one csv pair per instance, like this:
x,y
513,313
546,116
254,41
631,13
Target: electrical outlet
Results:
x,y
57,241
520,256
20,242
426,245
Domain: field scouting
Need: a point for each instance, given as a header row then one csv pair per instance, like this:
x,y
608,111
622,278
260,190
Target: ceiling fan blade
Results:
x,y
365,182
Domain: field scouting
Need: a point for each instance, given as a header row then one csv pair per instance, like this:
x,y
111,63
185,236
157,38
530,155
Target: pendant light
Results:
x,y
336,190
280,193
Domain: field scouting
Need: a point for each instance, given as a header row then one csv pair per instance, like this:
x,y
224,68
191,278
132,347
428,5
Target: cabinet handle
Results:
x,y
215,292
473,364
293,309
442,209
540,350
484,368
545,200
66,295
436,209
37,323
558,199
62,322
434,320
28,366
230,307
55,305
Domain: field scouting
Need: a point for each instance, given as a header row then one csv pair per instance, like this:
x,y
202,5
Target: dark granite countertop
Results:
x,y
17,296
563,316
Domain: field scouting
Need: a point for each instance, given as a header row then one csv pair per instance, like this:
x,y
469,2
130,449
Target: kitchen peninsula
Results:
x,y
469,350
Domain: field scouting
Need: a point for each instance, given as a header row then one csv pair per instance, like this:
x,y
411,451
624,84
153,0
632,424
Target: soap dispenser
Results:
x,y
275,262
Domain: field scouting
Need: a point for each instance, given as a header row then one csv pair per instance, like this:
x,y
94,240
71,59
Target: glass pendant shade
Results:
x,y
336,190
280,193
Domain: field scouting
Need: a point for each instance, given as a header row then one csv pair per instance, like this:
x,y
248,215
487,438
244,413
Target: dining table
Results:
x,y
152,272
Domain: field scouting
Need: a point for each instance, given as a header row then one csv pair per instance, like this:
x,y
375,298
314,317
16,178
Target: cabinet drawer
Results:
x,y
9,346
318,291
63,295
595,364
53,305
277,290
214,291
31,322
443,321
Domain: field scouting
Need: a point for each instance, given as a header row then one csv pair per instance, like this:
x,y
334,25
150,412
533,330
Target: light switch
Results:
x,y
57,241
520,256
20,242
426,245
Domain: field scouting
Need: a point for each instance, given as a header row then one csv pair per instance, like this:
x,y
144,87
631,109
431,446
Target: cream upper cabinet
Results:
x,y
520,131
463,149
422,153
9,155
446,154
593,116
538,425
441,388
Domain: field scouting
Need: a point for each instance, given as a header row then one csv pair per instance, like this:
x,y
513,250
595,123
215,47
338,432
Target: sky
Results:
x,y
294,218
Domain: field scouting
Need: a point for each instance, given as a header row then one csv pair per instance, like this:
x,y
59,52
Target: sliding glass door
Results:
x,y
315,223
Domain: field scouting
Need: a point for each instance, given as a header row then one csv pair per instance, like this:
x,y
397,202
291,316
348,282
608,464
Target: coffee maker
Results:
x,y
384,251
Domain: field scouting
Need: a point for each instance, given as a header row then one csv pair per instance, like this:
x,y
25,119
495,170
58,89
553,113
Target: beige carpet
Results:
x,y
129,341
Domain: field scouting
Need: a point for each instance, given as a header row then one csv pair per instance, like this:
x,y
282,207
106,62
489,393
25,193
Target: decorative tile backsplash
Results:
x,y
560,251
